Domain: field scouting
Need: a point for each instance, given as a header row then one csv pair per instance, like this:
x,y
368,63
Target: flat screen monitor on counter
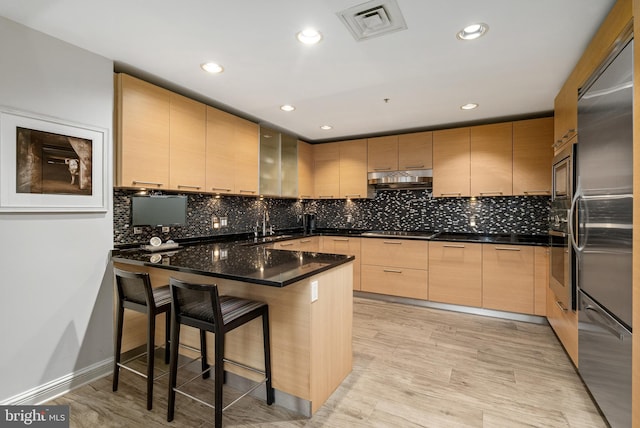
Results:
x,y
159,210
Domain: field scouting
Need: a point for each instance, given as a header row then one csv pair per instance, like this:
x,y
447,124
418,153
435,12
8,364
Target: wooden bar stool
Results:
x,y
135,292
201,307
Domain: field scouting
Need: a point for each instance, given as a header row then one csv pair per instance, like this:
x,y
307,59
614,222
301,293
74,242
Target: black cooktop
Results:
x,y
415,234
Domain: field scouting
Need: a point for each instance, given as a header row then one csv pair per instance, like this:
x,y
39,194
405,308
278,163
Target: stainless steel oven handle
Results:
x,y
602,321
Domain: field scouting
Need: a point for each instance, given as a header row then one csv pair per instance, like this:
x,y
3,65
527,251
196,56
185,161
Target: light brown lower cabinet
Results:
x,y
541,280
310,244
394,281
565,323
455,273
508,278
344,245
398,267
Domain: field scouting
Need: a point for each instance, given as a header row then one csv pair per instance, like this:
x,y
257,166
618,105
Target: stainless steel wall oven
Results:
x,y
561,254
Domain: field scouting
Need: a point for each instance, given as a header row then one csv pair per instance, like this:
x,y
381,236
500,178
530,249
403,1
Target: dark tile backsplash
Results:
x,y
389,210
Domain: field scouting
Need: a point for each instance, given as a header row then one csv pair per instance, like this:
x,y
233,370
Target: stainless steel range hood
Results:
x,y
411,179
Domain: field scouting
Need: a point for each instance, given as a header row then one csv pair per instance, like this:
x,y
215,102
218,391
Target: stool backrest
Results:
x,y
134,287
197,305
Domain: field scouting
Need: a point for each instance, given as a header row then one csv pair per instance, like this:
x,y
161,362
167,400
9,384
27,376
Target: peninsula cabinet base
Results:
x,y
311,342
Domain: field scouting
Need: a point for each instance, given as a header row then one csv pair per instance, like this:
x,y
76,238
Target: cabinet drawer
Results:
x,y
394,281
303,244
395,252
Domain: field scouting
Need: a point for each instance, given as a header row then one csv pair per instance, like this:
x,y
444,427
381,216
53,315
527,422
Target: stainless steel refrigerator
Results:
x,y
601,233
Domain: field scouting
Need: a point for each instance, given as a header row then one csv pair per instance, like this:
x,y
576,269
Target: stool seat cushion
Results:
x,y
232,308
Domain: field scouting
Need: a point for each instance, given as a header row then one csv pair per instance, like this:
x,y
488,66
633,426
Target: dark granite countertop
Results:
x,y
231,260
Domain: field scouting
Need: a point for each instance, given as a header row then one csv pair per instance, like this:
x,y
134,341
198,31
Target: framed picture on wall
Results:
x,y
48,164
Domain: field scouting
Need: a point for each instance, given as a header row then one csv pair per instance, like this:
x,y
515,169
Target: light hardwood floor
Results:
x,y
413,367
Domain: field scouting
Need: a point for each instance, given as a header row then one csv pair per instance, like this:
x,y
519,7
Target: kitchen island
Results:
x,y
310,308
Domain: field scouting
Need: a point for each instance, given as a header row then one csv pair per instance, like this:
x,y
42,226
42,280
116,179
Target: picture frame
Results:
x,y
51,165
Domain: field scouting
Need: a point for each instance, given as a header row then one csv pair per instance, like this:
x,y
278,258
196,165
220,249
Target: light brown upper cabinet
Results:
x,y
326,167
246,143
142,125
353,169
566,115
220,151
382,154
400,152
232,155
532,156
305,170
187,144
451,162
415,151
491,160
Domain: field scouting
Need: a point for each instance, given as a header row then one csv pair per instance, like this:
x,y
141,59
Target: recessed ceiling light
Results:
x,y
212,67
473,31
287,107
326,127
309,36
469,106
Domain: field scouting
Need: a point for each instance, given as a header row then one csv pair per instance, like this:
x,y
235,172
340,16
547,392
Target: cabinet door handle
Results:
x,y
326,196
382,169
392,242
391,271
561,306
284,244
353,195
526,192
494,192
414,166
247,191
341,240
506,249
451,194
186,186
453,246
147,182
305,241
220,188
305,196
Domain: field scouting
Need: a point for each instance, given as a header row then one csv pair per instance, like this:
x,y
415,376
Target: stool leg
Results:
x,y
167,333
151,333
173,368
203,354
117,345
219,377
267,355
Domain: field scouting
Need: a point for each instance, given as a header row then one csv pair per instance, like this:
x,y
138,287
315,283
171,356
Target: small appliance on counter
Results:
x,y
309,223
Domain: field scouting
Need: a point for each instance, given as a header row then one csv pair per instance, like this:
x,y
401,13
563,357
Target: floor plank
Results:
x,y
412,367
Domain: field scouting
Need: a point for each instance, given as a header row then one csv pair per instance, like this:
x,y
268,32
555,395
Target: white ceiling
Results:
x,y
426,73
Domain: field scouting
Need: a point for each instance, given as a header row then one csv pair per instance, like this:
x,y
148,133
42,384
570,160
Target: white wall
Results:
x,y
55,285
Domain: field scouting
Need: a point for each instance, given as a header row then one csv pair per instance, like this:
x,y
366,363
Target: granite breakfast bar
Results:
x,y
311,332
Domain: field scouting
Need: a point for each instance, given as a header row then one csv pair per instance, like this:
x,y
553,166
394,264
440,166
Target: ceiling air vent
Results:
x,y
373,19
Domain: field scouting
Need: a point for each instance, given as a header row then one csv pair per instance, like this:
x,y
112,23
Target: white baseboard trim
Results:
x,y
57,387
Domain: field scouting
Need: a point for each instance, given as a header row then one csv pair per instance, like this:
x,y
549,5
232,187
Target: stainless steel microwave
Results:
x,y
562,174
